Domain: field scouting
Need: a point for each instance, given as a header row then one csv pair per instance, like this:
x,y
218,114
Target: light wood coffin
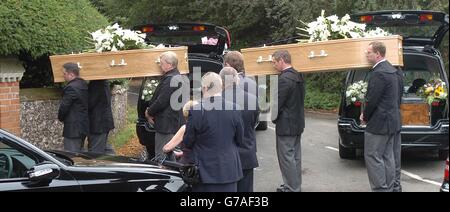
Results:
x,y
415,114
116,65
325,56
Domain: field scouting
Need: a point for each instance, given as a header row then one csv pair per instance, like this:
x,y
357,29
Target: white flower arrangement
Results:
x,y
149,89
332,28
356,93
115,38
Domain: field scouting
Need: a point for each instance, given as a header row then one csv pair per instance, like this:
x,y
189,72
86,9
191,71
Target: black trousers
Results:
x,y
246,183
229,187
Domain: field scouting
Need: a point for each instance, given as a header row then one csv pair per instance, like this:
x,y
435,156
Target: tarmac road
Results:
x,y
324,171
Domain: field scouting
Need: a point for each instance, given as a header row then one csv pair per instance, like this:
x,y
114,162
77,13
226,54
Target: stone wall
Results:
x,y
40,125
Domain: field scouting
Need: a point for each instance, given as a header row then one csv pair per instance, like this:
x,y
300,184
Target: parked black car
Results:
x,y
24,167
422,62
206,46
444,187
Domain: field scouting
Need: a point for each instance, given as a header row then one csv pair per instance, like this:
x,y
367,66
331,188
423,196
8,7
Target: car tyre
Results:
x,y
346,153
262,126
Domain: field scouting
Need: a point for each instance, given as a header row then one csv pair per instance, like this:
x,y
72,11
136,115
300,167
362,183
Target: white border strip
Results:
x,y
419,178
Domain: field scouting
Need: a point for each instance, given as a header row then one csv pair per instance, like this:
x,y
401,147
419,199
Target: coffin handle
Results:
x,y
313,55
79,65
158,61
122,63
262,60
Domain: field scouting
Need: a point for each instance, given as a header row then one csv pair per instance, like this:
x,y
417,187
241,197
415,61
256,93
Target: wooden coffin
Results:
x,y
415,114
116,65
326,56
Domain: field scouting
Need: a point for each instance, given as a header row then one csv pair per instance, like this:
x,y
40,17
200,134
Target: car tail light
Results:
x,y
366,19
229,39
426,17
199,28
147,29
446,171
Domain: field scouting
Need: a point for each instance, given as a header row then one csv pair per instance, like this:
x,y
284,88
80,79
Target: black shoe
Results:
x,y
282,188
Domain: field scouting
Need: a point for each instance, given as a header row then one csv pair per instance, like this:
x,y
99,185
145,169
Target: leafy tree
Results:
x,y
34,29
40,27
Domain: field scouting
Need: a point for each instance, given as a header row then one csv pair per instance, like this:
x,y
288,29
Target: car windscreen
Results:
x,y
183,40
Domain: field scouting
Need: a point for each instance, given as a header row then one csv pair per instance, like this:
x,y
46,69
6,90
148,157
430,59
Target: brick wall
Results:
x,y
10,107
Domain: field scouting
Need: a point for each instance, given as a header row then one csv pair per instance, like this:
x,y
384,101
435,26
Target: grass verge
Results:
x,y
126,134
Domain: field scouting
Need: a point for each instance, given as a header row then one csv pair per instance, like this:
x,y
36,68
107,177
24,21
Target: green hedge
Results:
x,y
321,100
42,27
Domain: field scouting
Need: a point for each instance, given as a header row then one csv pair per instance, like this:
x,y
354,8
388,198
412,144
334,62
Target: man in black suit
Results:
x,y
100,116
248,106
214,134
289,117
73,110
382,114
167,118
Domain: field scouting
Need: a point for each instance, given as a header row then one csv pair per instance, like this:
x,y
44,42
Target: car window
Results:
x,y
418,70
426,31
13,162
186,40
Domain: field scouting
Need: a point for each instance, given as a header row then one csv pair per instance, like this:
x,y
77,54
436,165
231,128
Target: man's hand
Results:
x,y
361,118
167,149
150,119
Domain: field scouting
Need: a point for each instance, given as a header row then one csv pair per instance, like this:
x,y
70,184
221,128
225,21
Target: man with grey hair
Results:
x,y
166,119
248,106
290,121
73,110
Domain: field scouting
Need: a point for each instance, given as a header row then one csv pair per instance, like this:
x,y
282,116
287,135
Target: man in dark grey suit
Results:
x,y
248,106
100,116
289,120
73,110
382,114
166,119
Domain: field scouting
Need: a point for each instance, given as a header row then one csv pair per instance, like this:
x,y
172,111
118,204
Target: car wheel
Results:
x,y
443,154
262,126
346,153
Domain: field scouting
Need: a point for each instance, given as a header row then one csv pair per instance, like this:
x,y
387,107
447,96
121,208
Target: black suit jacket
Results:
x,y
73,110
248,107
167,120
290,119
100,112
382,111
214,135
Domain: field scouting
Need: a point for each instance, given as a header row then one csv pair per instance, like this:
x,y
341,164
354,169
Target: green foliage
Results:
x,y
317,99
42,27
128,132
40,94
